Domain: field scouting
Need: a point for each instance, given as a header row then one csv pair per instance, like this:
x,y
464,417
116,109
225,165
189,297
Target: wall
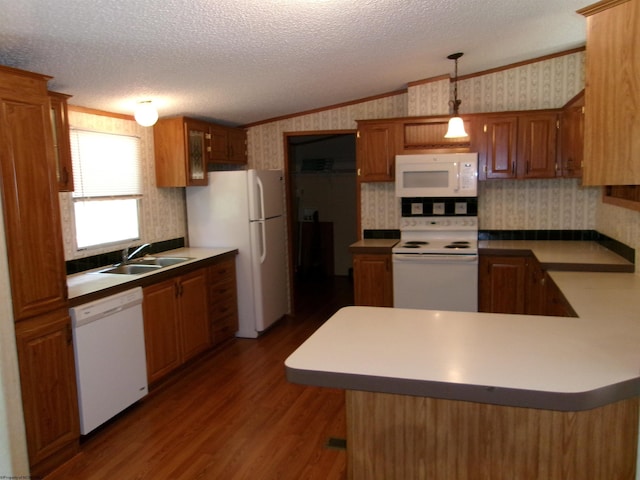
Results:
x,y
163,213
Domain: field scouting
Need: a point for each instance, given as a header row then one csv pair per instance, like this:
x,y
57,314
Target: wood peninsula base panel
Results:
x,y
401,437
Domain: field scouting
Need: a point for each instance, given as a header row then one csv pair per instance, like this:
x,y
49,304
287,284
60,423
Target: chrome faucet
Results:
x,y
127,257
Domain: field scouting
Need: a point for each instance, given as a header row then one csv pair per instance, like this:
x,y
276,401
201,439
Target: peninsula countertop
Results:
x,y
554,363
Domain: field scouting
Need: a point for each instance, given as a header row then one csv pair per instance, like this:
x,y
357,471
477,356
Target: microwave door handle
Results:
x,y
457,189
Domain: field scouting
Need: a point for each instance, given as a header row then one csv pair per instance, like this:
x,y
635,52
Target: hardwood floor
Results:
x,y
231,415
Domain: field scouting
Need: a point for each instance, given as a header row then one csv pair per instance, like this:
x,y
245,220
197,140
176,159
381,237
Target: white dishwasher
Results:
x,y
111,368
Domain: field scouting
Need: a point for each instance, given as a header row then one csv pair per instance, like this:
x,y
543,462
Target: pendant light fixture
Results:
x,y
456,125
145,113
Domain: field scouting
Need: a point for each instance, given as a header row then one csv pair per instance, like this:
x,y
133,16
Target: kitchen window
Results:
x,y
106,175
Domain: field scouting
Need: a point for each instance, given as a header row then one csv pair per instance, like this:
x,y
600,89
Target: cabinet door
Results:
x,y
612,129
198,151
571,141
536,288
161,333
376,150
237,140
219,144
48,382
194,320
497,144
61,142
30,200
502,281
373,280
537,145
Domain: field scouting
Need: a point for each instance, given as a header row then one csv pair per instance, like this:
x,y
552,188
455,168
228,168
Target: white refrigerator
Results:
x,y
244,209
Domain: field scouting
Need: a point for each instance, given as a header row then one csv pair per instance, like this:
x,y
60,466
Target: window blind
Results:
x,y
105,164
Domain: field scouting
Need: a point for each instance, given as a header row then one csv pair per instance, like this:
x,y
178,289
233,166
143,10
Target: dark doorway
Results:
x,y
322,214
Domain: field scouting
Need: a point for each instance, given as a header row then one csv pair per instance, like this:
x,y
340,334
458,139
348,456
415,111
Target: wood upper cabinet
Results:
x,y
571,137
185,146
237,145
612,94
181,152
496,140
49,395
176,322
373,280
516,144
376,148
426,135
61,142
537,137
30,195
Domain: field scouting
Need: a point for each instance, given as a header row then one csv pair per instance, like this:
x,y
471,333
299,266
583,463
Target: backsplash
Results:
x,y
163,213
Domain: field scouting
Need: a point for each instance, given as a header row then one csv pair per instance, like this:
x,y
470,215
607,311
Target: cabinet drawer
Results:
x,y
222,306
224,328
222,271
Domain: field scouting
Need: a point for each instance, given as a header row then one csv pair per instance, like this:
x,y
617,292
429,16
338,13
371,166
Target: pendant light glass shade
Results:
x,y
456,128
456,125
146,114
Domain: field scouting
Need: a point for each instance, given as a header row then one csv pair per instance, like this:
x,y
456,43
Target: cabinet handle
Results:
x,y
484,128
358,134
359,173
207,136
208,149
543,281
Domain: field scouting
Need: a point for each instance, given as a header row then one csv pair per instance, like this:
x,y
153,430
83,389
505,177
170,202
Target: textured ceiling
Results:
x,y
242,61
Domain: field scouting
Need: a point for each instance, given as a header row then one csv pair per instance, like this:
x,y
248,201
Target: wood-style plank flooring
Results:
x,y
231,415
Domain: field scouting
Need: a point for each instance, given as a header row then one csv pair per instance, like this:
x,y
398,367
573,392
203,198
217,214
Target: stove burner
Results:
x,y
409,245
416,242
458,245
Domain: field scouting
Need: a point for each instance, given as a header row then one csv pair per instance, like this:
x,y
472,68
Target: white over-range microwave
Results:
x,y
437,175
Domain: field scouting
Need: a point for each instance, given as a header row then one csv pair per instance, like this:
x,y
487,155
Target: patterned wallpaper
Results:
x,y
534,204
162,210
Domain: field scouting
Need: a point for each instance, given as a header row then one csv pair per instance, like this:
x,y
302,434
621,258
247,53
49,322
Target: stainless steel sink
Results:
x,y
144,265
161,261
130,269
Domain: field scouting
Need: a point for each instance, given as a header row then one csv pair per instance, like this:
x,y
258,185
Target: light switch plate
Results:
x,y
438,208
416,209
461,208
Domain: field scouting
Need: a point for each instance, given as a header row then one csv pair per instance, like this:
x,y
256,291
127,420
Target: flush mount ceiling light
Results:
x,y
145,113
456,125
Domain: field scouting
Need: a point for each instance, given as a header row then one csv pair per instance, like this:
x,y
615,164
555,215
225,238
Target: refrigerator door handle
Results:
x,y
261,213
263,242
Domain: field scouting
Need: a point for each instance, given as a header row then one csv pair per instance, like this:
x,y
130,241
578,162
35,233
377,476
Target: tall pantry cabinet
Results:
x,y
37,269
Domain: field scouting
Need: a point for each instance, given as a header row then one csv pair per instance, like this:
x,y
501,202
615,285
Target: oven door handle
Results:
x,y
434,258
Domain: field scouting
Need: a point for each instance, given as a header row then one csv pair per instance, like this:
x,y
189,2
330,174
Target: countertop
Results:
x,y
373,245
554,363
85,286
561,254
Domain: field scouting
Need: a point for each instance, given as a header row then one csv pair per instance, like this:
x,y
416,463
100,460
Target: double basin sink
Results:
x,y
144,265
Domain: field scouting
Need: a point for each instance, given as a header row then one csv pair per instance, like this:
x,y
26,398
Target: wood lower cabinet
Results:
x,y
49,395
502,281
223,300
176,322
373,280
518,284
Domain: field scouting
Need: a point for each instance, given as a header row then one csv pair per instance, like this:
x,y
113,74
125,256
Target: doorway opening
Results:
x,y
321,181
